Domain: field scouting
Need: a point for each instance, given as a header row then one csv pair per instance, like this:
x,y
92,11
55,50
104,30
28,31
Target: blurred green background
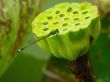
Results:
x,y
34,65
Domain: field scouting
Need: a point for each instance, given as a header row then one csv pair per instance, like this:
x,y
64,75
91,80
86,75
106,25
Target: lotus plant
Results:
x,y
67,31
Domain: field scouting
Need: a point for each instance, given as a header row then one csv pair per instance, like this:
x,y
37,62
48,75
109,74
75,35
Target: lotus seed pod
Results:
x,y
78,25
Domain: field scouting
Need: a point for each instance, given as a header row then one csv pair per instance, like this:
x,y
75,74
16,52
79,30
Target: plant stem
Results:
x,y
81,68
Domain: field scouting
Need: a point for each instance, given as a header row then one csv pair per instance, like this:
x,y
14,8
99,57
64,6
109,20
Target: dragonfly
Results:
x,y
53,32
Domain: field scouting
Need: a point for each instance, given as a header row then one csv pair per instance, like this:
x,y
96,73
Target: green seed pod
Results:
x,y
78,25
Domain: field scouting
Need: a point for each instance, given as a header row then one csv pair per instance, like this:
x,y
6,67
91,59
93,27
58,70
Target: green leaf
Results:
x,y
100,57
25,68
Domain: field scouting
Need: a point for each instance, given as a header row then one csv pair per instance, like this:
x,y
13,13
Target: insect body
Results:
x,y
53,32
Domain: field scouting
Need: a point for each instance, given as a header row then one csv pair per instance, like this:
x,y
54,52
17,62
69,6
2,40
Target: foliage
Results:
x,y
13,31
25,68
15,25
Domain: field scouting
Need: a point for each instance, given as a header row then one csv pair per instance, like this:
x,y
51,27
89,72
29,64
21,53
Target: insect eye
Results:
x,y
54,31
